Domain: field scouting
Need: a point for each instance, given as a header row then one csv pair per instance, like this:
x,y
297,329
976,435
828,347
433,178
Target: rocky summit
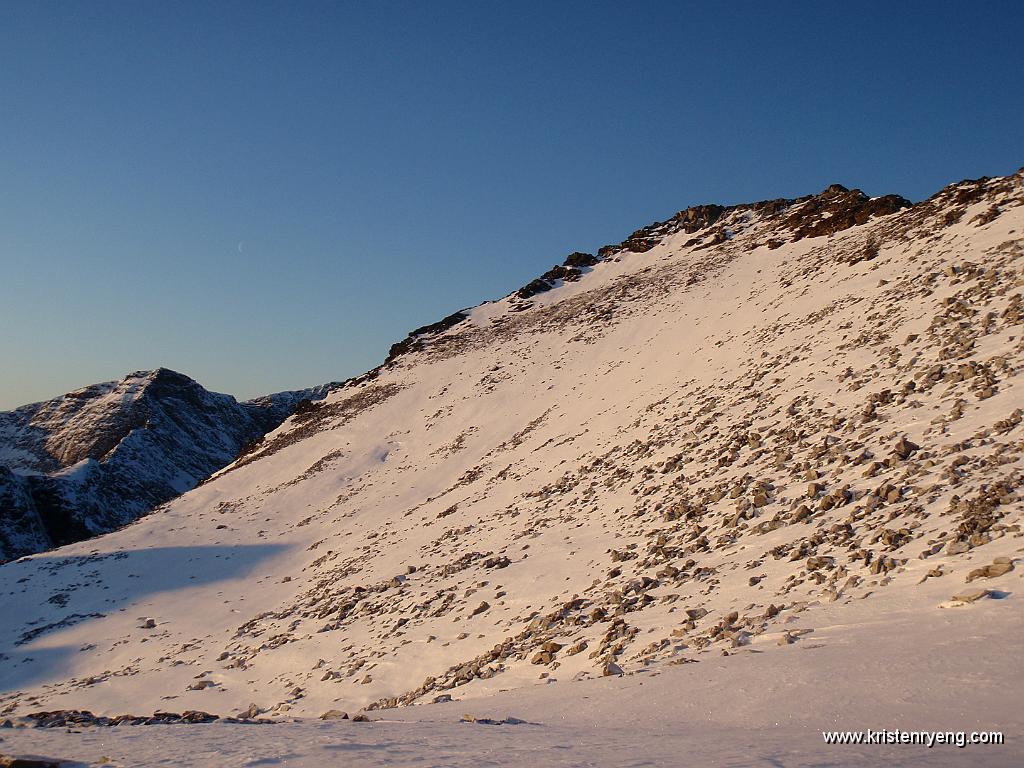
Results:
x,y
743,433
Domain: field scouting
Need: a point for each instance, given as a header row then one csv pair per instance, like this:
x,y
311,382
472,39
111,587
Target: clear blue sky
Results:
x,y
267,195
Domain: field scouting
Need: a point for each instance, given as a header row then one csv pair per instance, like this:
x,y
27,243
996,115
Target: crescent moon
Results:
x,y
240,244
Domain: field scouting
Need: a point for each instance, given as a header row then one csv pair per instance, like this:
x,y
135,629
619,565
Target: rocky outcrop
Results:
x,y
835,209
839,208
416,337
568,272
75,718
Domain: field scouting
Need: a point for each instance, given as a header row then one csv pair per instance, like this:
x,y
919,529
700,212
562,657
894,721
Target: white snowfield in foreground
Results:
x,y
881,672
695,508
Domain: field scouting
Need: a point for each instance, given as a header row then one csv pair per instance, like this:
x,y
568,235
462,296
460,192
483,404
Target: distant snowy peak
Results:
x,y
274,409
91,421
100,456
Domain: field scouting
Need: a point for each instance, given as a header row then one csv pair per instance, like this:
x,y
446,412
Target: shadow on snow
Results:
x,y
44,595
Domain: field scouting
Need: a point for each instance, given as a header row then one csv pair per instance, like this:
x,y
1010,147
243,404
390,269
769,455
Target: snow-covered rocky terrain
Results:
x,y
752,475
101,456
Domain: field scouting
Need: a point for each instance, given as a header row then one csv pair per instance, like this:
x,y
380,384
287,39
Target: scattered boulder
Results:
x,y
957,547
999,566
334,714
904,448
972,595
611,668
467,718
577,647
197,716
542,657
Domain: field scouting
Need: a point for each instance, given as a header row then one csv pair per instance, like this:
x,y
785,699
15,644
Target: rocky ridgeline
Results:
x,y
834,210
568,272
696,454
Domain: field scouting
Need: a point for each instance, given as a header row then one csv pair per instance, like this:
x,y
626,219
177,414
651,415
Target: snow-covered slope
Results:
x,y
99,457
744,433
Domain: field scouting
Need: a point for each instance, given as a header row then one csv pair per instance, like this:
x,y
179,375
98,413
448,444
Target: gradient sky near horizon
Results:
x,y
266,195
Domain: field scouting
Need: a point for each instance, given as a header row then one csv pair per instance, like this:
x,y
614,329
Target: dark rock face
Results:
x,y
415,341
569,271
577,259
532,288
21,528
689,220
100,457
839,208
698,217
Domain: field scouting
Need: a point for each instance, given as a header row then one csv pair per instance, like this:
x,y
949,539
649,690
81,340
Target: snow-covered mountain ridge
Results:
x,y
101,456
720,438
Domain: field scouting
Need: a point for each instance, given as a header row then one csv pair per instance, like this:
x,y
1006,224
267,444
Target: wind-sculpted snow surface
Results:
x,y
755,445
102,456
